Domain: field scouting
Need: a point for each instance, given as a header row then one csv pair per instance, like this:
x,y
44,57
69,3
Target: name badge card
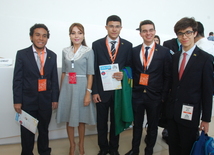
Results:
x,y
187,112
42,85
72,78
144,79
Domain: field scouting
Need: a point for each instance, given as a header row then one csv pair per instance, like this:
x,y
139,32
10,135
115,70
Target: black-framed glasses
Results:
x,y
187,34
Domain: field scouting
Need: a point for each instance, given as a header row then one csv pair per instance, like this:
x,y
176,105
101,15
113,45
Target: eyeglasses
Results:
x,y
187,34
112,26
146,31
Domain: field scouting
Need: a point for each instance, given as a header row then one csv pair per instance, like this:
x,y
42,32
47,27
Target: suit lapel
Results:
x,y
121,48
191,61
32,60
47,62
105,49
176,65
154,56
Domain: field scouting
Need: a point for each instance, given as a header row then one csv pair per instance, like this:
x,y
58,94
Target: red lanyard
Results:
x,y
109,51
146,62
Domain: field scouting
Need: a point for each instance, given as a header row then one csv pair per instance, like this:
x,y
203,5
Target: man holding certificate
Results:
x,y
152,73
112,54
36,88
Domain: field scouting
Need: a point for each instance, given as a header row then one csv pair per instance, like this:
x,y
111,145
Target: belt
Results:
x,y
77,75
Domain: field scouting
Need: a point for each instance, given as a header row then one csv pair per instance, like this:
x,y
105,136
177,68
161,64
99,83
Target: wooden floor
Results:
x,y
61,146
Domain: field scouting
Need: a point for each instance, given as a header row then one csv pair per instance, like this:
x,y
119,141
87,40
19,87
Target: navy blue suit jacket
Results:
x,y
172,45
25,81
194,88
123,58
159,74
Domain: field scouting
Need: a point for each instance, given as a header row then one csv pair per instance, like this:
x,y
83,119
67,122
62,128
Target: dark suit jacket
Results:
x,y
159,74
172,45
195,88
25,81
102,58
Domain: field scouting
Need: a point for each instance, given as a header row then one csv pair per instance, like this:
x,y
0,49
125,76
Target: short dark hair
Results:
x,y
113,18
145,22
184,23
200,29
211,33
35,26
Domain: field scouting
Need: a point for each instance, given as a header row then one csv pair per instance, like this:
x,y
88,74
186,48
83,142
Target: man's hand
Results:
x,y
204,126
18,107
54,105
96,98
118,76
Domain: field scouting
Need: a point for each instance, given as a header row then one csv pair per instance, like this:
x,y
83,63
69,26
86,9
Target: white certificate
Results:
x,y
108,82
27,121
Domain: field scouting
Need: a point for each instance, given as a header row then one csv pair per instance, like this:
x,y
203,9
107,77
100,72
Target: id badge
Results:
x,y
144,79
187,112
72,79
42,85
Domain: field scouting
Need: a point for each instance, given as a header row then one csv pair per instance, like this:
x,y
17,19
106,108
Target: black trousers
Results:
x,y
152,111
181,138
28,138
102,126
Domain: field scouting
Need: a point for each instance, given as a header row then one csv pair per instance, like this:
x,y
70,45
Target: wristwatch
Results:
x,y
90,91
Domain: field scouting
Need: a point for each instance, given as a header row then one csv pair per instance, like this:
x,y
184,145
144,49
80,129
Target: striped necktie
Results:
x,y
113,47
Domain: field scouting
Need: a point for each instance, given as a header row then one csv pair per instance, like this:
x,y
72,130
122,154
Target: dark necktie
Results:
x,y
146,53
113,48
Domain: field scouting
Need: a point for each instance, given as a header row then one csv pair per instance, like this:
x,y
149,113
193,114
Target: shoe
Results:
x,y
165,135
103,152
114,153
131,152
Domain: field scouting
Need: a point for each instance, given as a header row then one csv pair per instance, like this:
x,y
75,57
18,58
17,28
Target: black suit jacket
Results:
x,y
195,88
123,58
172,45
25,81
159,74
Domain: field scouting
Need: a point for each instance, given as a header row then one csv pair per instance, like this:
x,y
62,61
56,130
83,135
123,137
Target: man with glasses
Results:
x,y
191,92
152,74
109,50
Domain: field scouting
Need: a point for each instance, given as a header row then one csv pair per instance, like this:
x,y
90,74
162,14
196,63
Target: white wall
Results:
x,y
17,16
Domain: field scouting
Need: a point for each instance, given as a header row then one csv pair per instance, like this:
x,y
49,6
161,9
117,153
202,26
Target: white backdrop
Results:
x,y
17,16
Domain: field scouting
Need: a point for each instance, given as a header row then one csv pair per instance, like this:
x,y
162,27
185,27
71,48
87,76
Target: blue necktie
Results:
x,y
146,53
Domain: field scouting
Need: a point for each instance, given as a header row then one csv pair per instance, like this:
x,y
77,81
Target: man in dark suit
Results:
x,y
191,92
35,88
152,73
107,53
173,44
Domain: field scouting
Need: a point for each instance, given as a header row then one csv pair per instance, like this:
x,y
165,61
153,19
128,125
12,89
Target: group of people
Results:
x,y
182,82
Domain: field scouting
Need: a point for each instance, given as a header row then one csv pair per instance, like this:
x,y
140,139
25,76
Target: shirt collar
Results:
x,y
190,51
34,50
109,39
144,45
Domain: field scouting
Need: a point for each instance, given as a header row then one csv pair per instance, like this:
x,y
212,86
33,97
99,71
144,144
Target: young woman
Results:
x,y
75,106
